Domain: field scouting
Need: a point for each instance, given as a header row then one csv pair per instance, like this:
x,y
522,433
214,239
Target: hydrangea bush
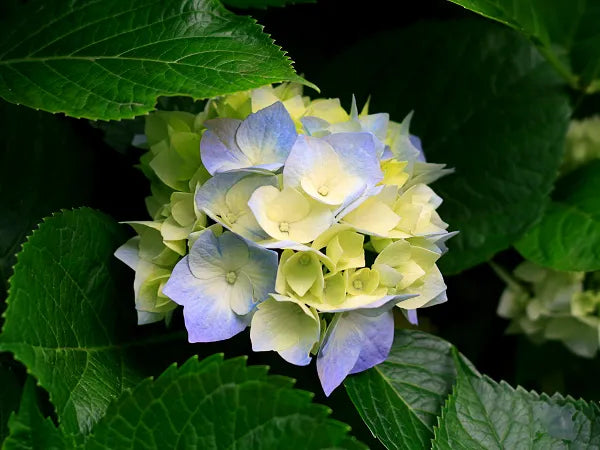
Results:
x,y
294,217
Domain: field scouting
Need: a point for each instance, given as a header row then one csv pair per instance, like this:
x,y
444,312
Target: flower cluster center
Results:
x,y
231,277
231,217
323,190
284,227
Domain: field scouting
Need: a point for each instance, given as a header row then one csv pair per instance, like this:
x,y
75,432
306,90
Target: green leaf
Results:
x,y
565,31
486,103
216,404
43,168
482,414
30,430
66,318
568,236
400,399
262,4
111,59
10,394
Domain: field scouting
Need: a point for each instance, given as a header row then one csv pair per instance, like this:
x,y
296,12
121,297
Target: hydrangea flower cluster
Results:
x,y
546,304
294,217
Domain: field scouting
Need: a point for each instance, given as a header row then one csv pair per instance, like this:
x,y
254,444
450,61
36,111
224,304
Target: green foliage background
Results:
x,y
492,97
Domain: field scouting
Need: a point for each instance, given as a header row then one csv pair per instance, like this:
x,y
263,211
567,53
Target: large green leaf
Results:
x,y
30,430
216,404
208,404
568,236
111,59
66,318
261,4
401,398
565,31
43,167
485,102
482,414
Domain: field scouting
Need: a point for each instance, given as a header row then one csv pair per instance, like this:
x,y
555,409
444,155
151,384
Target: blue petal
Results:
x,y
218,149
359,150
376,124
354,342
379,336
411,316
261,270
345,162
353,143
225,129
416,141
266,137
212,257
338,354
387,154
208,316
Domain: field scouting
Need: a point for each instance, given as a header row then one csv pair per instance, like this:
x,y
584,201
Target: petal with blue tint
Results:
x,y
207,317
267,136
376,124
261,271
377,342
358,152
416,141
219,283
334,170
218,148
411,316
354,342
212,256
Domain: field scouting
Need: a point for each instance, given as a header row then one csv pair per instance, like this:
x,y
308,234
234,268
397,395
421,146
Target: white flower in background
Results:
x,y
582,144
547,304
